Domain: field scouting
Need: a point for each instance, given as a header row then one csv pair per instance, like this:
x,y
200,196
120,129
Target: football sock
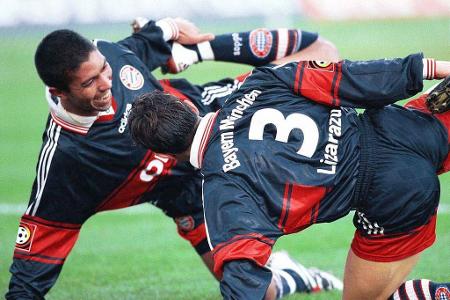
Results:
x,y
422,289
258,47
289,282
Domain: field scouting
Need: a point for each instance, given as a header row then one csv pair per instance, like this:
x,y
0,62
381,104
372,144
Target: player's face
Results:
x,y
90,88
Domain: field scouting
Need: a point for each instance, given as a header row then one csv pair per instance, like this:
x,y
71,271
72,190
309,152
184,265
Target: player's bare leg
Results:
x,y
209,262
321,49
271,293
370,280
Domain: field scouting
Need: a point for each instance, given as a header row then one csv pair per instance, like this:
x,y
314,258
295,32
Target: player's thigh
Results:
x,y
364,279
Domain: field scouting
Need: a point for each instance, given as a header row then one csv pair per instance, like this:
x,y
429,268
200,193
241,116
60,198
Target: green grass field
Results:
x,y
137,254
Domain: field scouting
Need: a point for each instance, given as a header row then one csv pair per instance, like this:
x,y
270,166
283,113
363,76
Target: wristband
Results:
x,y
169,28
205,51
429,68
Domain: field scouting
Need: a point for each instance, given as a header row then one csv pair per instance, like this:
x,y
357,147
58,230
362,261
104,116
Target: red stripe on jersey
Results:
x,y
303,207
337,101
419,104
253,246
41,259
242,77
168,88
69,127
43,243
300,66
142,179
315,213
195,236
286,196
382,248
319,81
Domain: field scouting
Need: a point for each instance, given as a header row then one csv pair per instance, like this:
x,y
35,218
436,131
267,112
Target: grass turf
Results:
x,y
140,256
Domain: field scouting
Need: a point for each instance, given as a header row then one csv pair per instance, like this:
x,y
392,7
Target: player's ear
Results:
x,y
57,92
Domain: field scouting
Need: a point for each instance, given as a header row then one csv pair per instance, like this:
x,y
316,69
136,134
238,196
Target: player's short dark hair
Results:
x,y
162,123
59,54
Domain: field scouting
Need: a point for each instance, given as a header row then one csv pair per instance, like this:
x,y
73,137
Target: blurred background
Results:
x,y
135,253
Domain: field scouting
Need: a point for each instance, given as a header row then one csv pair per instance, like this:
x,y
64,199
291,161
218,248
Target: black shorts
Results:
x,y
402,150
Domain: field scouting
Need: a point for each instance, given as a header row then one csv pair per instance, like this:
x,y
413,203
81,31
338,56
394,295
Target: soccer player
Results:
x,y
288,150
88,162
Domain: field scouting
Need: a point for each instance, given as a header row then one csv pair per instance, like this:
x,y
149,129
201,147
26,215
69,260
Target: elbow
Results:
x,y
328,51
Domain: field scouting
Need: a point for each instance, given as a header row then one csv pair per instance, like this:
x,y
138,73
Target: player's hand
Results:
x,y
189,34
138,23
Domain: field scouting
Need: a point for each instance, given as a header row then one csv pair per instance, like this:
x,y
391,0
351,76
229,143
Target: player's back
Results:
x,y
280,147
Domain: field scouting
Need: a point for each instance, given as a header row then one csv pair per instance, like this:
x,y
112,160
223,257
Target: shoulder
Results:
x,y
108,48
60,145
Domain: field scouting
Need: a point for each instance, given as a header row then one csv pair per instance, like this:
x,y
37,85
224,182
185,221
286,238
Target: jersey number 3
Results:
x,y
284,126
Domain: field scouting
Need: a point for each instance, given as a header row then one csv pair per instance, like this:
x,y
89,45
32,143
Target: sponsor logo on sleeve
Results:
x,y
260,41
131,77
25,236
124,120
237,44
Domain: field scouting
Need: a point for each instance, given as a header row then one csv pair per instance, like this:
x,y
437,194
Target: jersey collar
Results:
x,y
201,138
71,121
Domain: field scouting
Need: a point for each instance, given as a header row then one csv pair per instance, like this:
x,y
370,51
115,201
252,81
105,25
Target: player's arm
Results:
x,y
257,48
362,84
49,228
151,42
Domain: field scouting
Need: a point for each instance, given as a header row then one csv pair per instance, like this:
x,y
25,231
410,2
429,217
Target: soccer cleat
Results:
x,y
314,280
325,280
438,101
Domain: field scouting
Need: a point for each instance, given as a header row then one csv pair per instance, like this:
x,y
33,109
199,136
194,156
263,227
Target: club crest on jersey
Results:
x,y
25,236
185,223
442,293
321,65
131,77
260,41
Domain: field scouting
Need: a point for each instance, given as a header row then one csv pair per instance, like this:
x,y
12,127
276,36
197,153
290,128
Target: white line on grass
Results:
x,y
19,209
